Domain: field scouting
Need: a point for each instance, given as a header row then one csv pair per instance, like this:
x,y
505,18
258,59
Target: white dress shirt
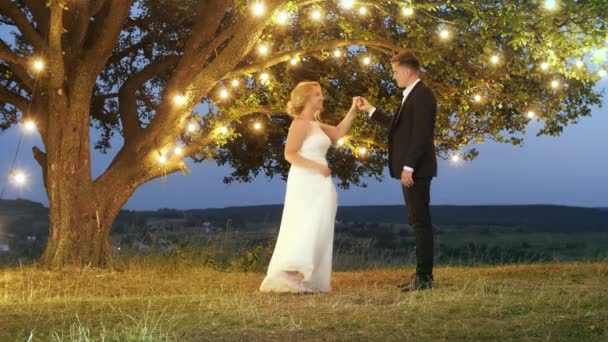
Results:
x,y
406,92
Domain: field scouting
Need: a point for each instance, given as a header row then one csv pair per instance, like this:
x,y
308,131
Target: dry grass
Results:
x,y
160,302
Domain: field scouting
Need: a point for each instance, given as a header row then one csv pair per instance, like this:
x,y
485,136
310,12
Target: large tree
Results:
x,y
160,73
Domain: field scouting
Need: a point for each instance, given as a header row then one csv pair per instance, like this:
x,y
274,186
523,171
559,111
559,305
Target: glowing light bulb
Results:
x,y
162,159
224,93
191,127
550,4
477,98
362,150
293,61
257,125
179,99
223,130
554,84
316,15
19,178
283,18
544,66
444,34
258,9
495,59
408,11
341,142
38,64
235,83
264,77
263,49
363,10
337,53
347,3
367,60
178,151
29,125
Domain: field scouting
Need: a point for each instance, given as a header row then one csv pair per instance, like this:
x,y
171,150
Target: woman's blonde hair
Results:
x,y
299,96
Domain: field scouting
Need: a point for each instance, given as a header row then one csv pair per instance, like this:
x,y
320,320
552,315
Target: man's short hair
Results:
x,y
408,59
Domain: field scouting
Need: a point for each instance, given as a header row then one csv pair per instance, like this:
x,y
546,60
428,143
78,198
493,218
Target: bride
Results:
x,y
302,258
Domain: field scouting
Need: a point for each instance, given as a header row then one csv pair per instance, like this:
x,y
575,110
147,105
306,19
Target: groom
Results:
x,y
412,157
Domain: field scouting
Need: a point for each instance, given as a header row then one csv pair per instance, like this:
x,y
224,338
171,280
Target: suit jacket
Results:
x,y
411,133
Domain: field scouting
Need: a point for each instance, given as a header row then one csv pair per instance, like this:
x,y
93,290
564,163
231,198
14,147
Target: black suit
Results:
x,y
411,132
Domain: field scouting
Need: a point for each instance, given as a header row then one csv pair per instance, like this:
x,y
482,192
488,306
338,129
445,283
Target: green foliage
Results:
x,y
523,34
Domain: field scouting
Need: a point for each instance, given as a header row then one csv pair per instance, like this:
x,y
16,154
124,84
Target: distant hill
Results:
x,y
535,217
546,216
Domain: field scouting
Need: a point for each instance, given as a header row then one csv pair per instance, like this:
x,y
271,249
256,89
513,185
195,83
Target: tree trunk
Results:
x,y
78,235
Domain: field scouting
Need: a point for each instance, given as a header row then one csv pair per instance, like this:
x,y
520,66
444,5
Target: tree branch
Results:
x,y
96,55
20,20
41,15
127,94
18,67
375,44
7,96
40,157
95,7
10,57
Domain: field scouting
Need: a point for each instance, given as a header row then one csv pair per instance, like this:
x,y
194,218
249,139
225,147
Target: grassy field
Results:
x,y
153,301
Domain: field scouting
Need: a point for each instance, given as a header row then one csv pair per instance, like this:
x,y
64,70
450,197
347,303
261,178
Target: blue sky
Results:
x,y
571,169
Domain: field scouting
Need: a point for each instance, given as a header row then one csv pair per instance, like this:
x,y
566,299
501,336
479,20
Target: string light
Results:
x,y
495,59
477,98
19,178
192,127
235,83
550,4
257,126
178,151
162,159
341,142
263,49
179,99
347,3
554,84
264,77
29,125
408,11
544,66
38,64
316,15
282,18
337,53
258,9
363,10
367,60
444,34
293,61
223,130
224,94
362,151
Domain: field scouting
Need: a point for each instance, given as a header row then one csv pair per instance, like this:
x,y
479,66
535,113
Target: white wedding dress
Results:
x,y
306,235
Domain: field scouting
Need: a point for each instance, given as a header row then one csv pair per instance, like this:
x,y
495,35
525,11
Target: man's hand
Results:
x,y
363,104
407,178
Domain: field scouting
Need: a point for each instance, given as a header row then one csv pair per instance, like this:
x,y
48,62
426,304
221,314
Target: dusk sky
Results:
x,y
571,169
